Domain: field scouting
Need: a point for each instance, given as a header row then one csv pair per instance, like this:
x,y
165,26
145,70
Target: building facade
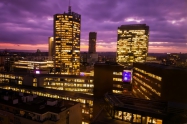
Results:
x,y
142,111
67,87
22,108
33,66
67,28
132,43
159,82
81,88
92,42
109,78
51,47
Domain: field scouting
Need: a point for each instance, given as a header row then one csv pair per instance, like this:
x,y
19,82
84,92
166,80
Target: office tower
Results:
x,y
92,55
67,43
92,42
132,43
51,46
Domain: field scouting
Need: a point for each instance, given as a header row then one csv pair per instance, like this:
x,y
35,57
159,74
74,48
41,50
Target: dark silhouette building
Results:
x,y
108,78
142,111
159,82
92,42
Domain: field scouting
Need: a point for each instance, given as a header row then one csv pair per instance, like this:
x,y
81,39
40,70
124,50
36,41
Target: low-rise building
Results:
x,y
42,67
32,109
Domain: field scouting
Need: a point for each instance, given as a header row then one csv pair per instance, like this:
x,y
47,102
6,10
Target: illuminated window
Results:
x,y
117,79
20,82
35,84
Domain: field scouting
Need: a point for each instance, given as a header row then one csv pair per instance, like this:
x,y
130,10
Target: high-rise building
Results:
x,y
92,42
92,55
51,46
67,43
132,43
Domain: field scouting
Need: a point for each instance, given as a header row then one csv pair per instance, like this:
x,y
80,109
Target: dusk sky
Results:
x,y
27,24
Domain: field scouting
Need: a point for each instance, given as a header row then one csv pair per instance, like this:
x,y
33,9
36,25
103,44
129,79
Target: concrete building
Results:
x,y
141,111
67,28
92,56
17,107
41,67
149,82
92,42
51,47
74,83
132,43
152,59
109,78
67,87
159,82
72,87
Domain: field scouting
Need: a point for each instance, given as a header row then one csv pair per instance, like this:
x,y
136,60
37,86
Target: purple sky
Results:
x,y
27,24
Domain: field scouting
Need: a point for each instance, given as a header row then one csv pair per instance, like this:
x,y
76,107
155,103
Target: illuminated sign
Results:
x,y
127,76
82,74
37,72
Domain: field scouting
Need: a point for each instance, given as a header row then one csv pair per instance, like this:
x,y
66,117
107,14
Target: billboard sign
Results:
x,y
127,76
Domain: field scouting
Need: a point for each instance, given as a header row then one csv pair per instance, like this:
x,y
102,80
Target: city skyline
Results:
x,y
33,23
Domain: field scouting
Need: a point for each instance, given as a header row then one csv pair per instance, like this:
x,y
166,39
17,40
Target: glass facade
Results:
x,y
134,112
67,43
70,84
136,118
132,44
51,46
146,85
32,65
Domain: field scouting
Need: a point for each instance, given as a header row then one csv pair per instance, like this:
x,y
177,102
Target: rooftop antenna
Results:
x,y
69,8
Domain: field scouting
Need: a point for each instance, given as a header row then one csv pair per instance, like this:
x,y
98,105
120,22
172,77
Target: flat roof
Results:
x,y
47,75
51,91
161,66
134,26
121,101
37,105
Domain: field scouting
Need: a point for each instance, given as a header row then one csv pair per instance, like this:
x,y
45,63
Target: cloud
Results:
x,y
31,22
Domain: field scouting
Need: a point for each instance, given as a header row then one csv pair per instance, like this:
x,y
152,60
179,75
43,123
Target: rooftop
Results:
x,y
33,103
47,75
136,104
51,91
162,66
135,26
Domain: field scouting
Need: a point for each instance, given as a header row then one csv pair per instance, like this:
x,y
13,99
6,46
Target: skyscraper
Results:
x,y
132,43
92,55
92,42
51,46
67,43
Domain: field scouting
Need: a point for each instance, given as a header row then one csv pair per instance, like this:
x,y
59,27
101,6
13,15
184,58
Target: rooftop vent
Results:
x,y
51,102
20,94
15,101
6,98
